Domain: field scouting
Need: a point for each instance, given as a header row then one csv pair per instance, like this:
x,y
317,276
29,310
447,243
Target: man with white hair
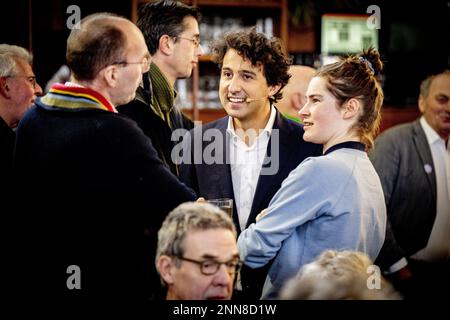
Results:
x,y
18,90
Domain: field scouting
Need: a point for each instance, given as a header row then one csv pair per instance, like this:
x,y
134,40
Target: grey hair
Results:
x,y
186,217
337,275
426,84
8,55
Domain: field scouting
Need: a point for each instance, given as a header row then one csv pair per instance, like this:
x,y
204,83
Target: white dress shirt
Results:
x,y
245,164
438,246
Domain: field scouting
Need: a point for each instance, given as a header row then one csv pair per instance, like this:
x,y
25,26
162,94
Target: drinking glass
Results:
x,y
226,204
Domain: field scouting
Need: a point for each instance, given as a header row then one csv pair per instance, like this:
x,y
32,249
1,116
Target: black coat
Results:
x,y
94,183
154,127
7,138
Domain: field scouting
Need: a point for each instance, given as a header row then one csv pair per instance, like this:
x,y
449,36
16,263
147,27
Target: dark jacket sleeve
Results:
x,y
386,160
187,167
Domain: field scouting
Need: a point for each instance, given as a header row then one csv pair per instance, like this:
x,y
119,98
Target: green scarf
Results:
x,y
164,94
292,118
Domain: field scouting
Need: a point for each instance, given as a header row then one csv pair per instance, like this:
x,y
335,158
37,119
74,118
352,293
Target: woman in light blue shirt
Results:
x,y
334,201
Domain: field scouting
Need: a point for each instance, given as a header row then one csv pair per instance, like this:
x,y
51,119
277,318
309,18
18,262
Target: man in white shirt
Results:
x,y
413,161
254,148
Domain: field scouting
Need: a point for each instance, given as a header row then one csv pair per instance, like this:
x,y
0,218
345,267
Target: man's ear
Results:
x,y
273,90
351,108
165,266
166,44
4,88
422,104
296,100
111,75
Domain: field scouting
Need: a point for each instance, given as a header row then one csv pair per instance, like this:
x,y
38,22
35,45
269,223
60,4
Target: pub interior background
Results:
x,y
413,38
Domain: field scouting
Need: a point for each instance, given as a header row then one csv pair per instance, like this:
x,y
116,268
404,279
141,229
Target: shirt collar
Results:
x,y
348,145
432,136
73,84
267,129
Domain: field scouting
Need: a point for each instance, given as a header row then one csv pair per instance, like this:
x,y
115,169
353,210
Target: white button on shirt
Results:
x,y
438,246
245,163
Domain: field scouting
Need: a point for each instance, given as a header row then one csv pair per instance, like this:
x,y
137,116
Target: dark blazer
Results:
x,y
214,180
400,157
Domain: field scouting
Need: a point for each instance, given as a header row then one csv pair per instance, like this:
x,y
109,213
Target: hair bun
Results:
x,y
372,59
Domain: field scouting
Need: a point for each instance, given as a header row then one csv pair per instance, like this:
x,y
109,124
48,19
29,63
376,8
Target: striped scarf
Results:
x,y
164,94
74,98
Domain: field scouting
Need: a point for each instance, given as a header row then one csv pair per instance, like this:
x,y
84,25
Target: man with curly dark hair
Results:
x,y
254,148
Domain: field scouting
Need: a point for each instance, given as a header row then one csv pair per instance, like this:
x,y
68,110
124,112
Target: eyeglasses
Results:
x,y
195,41
210,267
145,63
31,79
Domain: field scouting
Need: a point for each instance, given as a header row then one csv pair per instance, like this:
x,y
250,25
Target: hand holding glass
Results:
x,y
226,204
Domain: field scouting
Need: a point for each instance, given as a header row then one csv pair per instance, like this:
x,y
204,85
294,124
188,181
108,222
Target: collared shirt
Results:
x,y
438,246
245,164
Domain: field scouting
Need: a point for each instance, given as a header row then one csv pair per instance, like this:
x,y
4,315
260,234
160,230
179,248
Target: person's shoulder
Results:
x,y
220,124
137,110
399,131
116,121
321,164
122,133
289,124
321,173
337,163
133,106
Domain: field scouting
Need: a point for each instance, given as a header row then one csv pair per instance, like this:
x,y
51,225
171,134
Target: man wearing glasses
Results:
x,y
18,90
171,32
90,172
197,257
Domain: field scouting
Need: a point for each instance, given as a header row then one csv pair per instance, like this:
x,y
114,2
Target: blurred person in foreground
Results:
x,y
339,275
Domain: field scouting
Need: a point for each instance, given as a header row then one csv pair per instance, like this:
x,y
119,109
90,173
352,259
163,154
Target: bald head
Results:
x,y
294,93
100,41
108,54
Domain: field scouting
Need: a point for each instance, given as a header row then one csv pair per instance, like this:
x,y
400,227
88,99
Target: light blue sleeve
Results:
x,y
303,196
